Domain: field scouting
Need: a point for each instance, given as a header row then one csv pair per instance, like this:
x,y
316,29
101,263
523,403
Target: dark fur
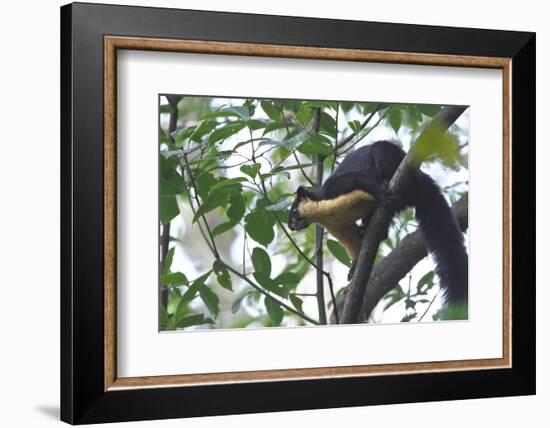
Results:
x,y
370,168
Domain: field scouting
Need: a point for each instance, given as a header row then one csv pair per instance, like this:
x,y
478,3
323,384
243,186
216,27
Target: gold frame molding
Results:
x,y
113,43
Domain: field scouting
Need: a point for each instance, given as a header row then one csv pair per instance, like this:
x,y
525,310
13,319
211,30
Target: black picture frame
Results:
x,y
83,396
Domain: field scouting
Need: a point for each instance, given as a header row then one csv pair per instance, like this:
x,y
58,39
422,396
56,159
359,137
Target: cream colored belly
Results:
x,y
345,208
339,216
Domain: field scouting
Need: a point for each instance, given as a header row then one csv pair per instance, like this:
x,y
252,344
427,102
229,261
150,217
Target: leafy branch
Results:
x,y
216,254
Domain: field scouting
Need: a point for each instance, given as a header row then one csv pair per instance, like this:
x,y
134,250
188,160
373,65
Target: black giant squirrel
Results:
x,y
359,184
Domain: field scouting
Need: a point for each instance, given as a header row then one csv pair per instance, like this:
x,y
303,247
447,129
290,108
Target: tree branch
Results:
x,y
378,225
165,234
319,164
400,261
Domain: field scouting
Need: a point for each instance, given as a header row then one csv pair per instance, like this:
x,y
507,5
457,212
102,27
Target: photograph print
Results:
x,y
291,213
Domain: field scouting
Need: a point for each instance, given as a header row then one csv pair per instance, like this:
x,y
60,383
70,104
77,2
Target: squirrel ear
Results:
x,y
301,192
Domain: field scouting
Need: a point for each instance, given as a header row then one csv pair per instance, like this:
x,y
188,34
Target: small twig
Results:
x,y
244,254
359,139
350,137
429,306
190,173
319,234
201,230
304,294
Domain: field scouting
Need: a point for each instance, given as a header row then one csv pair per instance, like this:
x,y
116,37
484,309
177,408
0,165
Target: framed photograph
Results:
x,y
278,213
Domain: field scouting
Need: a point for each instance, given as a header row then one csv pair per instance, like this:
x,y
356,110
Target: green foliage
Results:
x,y
316,144
230,172
259,224
174,278
339,252
251,170
222,274
458,311
171,184
261,261
274,311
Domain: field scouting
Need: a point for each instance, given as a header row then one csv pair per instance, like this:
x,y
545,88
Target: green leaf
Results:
x,y
238,111
338,252
226,131
210,299
409,317
172,184
259,227
394,296
223,227
287,279
195,319
415,116
297,303
271,285
254,124
251,170
409,303
392,301
205,181
204,128
291,105
274,311
272,112
236,208
180,135
212,202
163,316
280,205
227,182
355,126
292,142
174,278
273,126
304,116
429,110
198,282
173,301
328,124
369,107
347,106
456,311
222,274
187,298
261,261
316,144
436,141
394,118
237,303
168,262
168,208
279,173
426,281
